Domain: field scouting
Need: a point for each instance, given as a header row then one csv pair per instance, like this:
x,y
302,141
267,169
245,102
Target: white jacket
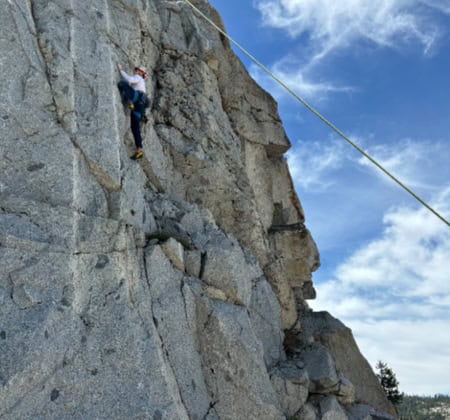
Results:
x,y
135,80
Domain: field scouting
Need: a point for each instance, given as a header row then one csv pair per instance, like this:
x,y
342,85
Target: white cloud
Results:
x,y
417,351
340,190
326,26
419,164
413,162
410,260
312,163
334,24
442,5
394,293
296,76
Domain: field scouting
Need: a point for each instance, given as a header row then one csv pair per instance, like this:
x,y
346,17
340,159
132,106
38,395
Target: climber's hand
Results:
x,y
119,67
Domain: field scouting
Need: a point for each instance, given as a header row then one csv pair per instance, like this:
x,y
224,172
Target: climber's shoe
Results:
x,y
137,155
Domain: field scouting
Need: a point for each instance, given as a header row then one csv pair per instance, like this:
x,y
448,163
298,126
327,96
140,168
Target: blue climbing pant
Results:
x,y
130,95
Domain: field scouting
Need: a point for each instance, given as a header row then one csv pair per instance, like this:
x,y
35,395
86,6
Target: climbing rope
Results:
x,y
317,114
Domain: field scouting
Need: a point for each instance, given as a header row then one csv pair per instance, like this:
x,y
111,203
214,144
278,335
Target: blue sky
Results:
x,y
380,71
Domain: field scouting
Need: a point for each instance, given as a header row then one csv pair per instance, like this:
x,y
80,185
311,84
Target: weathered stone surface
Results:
x,y
175,252
234,361
339,340
141,289
264,312
193,262
346,392
214,293
331,410
307,412
366,412
227,269
285,293
321,368
290,271
85,350
302,258
166,288
291,384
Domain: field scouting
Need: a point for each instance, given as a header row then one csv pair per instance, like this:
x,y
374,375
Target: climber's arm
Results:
x,y
131,79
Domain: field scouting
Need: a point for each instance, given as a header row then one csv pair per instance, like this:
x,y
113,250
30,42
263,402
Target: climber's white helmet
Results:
x,y
141,70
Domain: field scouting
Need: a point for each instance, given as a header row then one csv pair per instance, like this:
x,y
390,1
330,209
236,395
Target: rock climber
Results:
x,y
132,90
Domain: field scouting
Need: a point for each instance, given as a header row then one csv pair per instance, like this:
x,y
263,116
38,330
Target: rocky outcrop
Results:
x,y
321,327
168,288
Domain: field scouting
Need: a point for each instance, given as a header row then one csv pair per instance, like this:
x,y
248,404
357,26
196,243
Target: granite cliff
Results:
x,y
170,288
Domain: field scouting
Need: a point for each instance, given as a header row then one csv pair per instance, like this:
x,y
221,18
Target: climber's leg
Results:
x,y
136,130
126,91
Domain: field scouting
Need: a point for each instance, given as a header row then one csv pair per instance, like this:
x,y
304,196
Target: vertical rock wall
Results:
x,y
167,288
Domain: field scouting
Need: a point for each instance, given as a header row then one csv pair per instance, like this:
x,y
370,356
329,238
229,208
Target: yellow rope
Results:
x,y
320,116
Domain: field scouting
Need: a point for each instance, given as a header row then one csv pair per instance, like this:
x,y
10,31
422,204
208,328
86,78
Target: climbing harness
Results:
x,y
141,99
317,114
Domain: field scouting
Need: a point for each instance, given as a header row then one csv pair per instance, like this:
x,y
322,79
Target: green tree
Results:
x,y
389,383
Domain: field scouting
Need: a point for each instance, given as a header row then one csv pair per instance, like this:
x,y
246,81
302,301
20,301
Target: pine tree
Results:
x,y
389,383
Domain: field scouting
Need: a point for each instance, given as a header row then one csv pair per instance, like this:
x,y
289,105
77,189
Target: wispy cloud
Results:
x,y
324,27
398,287
346,198
297,76
415,163
442,5
330,24
312,163
419,164
413,246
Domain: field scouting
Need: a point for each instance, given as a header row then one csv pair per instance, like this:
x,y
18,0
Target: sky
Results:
x,y
380,72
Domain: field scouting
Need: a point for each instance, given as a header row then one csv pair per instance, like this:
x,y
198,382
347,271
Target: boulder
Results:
x,y
175,252
321,369
339,341
331,410
192,262
346,392
227,269
291,385
366,412
307,412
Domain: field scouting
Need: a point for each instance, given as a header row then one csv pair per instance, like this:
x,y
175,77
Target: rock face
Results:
x,y
168,288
